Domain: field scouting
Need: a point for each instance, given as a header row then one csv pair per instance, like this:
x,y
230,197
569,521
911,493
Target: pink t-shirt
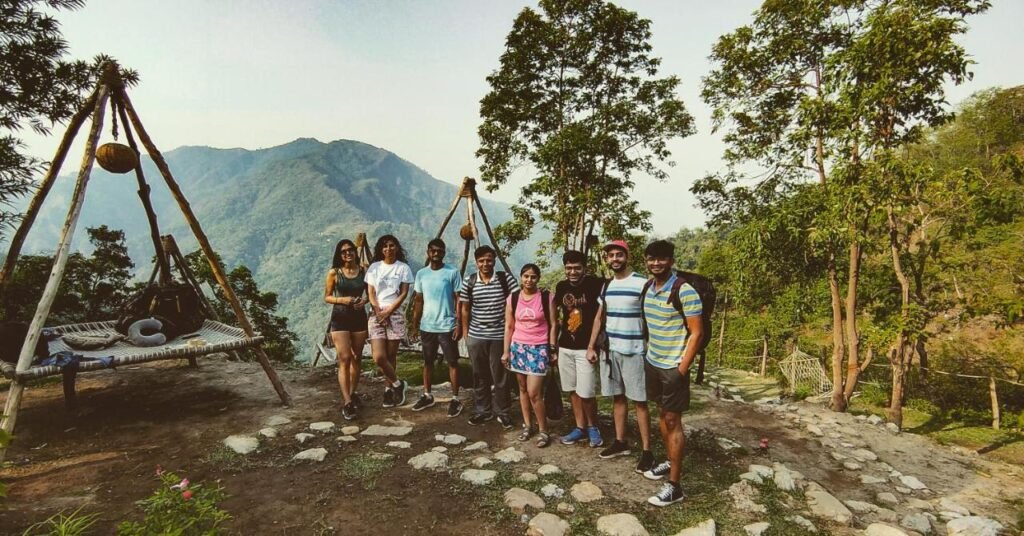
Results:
x,y
530,325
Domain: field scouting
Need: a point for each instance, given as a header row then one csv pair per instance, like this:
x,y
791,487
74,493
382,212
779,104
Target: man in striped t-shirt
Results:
x,y
482,299
670,324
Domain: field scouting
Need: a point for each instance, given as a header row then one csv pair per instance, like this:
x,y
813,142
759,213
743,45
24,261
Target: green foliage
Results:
x,y
179,508
577,96
61,524
259,307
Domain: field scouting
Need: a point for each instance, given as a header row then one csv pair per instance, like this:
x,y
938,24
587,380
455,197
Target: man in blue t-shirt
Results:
x,y
436,318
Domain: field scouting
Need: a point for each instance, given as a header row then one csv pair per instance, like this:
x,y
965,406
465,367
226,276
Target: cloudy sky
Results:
x,y
406,76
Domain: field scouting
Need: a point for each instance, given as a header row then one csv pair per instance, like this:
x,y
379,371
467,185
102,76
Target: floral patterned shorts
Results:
x,y
529,359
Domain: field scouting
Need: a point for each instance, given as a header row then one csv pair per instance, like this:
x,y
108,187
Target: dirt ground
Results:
x,y
168,414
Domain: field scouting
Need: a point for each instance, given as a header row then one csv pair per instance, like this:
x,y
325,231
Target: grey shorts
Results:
x,y
577,374
623,374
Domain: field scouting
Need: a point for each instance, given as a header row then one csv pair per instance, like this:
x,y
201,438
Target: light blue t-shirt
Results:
x,y
438,288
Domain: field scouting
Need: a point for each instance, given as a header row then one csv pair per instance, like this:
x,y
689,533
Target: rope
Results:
x,y
1011,382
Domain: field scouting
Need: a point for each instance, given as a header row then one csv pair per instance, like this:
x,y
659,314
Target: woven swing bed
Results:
x,y
218,337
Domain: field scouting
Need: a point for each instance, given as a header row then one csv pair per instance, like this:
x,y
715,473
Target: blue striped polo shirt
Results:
x,y
622,307
665,327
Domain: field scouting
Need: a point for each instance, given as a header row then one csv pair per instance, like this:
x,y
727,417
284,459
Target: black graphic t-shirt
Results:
x,y
577,307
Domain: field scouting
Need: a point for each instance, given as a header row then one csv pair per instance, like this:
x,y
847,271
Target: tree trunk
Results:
x,y
902,356
994,395
899,375
838,401
721,331
852,335
764,356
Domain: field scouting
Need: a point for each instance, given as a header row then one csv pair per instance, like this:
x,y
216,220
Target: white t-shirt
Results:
x,y
387,280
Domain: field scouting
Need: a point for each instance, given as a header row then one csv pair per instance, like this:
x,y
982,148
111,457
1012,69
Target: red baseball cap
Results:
x,y
621,244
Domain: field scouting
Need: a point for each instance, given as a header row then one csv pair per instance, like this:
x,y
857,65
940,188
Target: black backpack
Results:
x,y
705,289
545,297
502,280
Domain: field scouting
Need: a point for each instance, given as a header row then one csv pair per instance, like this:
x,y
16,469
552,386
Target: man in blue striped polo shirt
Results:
x,y
670,324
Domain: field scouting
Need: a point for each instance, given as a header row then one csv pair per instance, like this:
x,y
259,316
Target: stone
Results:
x,y
278,420
904,490
241,444
918,504
881,529
868,479
565,508
912,482
860,507
547,524
620,525
783,477
480,461
973,526
949,505
378,430
824,505
429,461
350,430
814,429
316,455
399,444
728,444
766,472
752,477
302,437
586,492
886,498
269,432
756,529
552,491
852,465
479,477
479,445
886,515
864,455
743,495
510,455
704,528
946,515
322,426
917,522
803,522
450,439
398,421
875,420
892,428
548,469
519,499
838,456
528,477
846,445
439,449
347,439
381,456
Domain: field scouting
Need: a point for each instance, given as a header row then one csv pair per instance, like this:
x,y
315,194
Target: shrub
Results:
x,y
73,524
180,508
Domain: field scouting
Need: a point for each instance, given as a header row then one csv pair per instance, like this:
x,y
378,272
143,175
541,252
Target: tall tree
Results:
x,y
577,96
38,88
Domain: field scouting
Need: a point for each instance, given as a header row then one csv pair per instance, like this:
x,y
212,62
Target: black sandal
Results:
x,y
527,433
543,440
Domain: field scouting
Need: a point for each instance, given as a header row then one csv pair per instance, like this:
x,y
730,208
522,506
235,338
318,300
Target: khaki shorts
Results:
x,y
623,374
393,329
577,374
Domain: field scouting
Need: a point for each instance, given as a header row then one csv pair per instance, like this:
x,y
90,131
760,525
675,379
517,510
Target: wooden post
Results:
x,y
10,416
18,240
721,331
764,356
451,212
204,243
490,233
994,396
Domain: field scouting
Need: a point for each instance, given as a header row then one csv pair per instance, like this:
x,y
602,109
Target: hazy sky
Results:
x,y
406,76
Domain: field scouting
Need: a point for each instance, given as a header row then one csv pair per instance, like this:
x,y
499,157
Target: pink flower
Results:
x,y
184,483
186,495
159,470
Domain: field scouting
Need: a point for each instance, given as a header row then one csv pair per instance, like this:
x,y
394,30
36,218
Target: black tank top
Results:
x,y
345,287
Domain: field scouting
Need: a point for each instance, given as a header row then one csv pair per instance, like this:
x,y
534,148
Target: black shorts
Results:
x,y
666,387
353,320
431,342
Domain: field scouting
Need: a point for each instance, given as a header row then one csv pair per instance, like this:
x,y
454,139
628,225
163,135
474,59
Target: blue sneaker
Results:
x,y
577,434
595,437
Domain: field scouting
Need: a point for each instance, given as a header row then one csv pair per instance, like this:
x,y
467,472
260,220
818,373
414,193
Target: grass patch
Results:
x,y
410,369
74,524
228,460
366,468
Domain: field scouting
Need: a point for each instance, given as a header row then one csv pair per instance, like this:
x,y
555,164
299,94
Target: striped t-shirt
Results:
x,y
665,327
622,312
487,312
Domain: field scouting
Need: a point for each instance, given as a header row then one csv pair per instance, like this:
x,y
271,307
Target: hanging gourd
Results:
x,y
117,157
466,232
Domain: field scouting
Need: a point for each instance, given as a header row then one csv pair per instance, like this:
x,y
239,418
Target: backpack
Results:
x,y
705,289
177,306
502,280
545,297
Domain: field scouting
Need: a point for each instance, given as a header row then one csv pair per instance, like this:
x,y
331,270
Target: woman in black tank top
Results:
x,y
345,290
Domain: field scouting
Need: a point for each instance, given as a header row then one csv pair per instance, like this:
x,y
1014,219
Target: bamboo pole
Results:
x,y
490,233
204,243
465,259
451,212
18,240
994,396
14,396
764,356
472,223
721,331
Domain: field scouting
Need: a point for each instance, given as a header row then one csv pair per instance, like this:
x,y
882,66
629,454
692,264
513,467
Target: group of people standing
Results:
x,y
625,338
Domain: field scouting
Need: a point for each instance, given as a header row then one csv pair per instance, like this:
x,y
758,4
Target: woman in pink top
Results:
x,y
529,348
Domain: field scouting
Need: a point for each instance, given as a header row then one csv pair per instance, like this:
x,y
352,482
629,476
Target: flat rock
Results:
x,y
552,491
864,455
269,432
450,439
302,437
869,479
892,428
586,492
904,490
803,522
886,498
479,477
912,482
381,456
481,461
347,439
875,419
547,524
510,455
620,525
949,505
399,444
278,420
322,426
886,515
881,529
824,505
917,522
918,504
766,472
815,430
756,529
548,469
519,499
565,508
479,445
350,430
704,528
783,477
752,477
743,498
378,430
860,507
851,465
439,449
429,461
241,444
973,526
316,455
728,444
528,477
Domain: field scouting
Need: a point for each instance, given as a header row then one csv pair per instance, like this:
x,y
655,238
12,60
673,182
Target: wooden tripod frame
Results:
x,y
109,87
469,231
